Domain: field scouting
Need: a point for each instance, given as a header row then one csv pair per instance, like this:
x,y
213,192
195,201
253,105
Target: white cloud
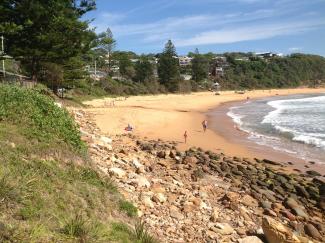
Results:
x,y
247,33
110,18
294,49
205,29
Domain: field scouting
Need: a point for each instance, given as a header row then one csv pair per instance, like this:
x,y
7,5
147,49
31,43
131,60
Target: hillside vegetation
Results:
x,y
48,190
280,72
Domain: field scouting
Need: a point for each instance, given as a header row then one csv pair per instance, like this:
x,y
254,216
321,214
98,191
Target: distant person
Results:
x,y
129,128
185,136
205,125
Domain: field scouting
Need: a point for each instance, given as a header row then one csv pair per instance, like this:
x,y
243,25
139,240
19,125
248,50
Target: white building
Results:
x,y
185,61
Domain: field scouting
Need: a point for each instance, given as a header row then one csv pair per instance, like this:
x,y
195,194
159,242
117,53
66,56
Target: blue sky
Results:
x,y
284,26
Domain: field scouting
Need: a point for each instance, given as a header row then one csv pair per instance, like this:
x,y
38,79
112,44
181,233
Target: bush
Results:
x,y
41,118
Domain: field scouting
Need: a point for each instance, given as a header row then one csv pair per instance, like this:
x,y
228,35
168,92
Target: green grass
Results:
x,y
40,117
49,192
128,208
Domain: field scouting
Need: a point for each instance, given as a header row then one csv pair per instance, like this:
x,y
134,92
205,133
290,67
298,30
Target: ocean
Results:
x,y
293,124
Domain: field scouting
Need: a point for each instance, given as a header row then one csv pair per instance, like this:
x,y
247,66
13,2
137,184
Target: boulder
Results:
x,y
250,239
141,181
189,160
146,200
232,197
161,154
223,228
106,140
249,201
312,232
312,173
296,208
301,191
159,197
275,232
214,215
117,172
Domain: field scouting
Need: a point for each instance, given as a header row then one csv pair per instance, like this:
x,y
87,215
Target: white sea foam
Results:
x,y
235,117
303,118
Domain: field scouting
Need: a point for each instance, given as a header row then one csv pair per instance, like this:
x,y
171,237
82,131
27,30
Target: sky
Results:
x,y
282,26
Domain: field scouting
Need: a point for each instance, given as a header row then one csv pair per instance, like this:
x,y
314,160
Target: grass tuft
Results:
x,y
76,227
142,235
128,208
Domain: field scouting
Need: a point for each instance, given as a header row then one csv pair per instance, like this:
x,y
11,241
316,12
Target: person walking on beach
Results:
x,y
205,125
185,136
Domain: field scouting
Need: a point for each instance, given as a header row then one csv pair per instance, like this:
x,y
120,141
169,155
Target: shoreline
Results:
x,y
166,117
238,136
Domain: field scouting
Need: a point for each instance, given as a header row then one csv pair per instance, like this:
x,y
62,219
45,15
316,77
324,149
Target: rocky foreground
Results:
x,y
201,196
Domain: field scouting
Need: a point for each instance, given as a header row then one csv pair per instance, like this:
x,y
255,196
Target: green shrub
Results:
x,y
40,117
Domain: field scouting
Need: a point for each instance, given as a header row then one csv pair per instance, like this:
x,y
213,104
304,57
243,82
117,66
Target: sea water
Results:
x,y
293,124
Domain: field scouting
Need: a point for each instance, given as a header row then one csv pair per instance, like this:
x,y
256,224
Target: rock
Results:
x,y
267,161
139,167
266,204
105,140
212,235
146,147
189,160
312,232
214,215
117,172
241,231
141,181
270,212
175,213
295,207
161,154
312,173
249,201
301,191
159,197
250,239
146,200
288,215
232,197
223,228
300,212
275,232
291,203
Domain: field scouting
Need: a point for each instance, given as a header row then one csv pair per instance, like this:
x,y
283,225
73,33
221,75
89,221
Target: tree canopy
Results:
x,y
200,67
45,31
168,67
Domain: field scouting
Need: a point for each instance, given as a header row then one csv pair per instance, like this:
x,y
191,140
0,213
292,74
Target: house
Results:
x,y
218,66
185,61
266,55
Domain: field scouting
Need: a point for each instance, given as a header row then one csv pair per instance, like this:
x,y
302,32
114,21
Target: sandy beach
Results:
x,y
167,117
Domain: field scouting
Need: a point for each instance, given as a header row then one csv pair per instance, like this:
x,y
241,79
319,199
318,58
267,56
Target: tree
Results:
x,y
168,67
45,31
200,67
106,41
126,66
143,69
